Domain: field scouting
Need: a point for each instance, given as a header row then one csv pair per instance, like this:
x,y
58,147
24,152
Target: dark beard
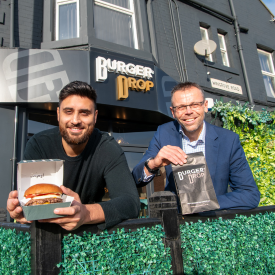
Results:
x,y
76,140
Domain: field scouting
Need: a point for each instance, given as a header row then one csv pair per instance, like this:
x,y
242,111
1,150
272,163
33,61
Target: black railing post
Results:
x,y
46,250
163,205
3,215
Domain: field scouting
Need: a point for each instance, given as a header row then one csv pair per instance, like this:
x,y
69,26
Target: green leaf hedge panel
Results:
x,y
244,245
139,252
15,252
256,130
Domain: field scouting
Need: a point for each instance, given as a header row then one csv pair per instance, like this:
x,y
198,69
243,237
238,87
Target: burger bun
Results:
x,y
43,188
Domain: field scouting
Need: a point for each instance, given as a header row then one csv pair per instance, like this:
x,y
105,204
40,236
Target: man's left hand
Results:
x,y
75,214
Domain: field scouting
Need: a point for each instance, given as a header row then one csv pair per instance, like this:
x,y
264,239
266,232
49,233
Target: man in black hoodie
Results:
x,y
93,161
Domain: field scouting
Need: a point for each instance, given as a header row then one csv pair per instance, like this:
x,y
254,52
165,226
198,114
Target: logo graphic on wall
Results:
x,y
30,75
124,83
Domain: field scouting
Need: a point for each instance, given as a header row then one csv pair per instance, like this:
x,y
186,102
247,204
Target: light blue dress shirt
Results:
x,y
195,146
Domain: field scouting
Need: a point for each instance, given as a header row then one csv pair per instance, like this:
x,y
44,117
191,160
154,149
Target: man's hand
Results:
x,y
77,214
16,211
167,155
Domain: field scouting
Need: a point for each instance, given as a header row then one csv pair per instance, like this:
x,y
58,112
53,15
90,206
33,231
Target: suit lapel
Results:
x,y
211,149
175,138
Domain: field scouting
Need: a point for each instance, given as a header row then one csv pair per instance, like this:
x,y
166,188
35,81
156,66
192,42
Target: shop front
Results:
x,y
133,99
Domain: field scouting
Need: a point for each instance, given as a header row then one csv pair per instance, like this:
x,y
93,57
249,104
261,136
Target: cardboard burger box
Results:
x,y
31,172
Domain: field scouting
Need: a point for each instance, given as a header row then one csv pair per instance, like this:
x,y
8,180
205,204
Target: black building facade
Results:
x,y
132,52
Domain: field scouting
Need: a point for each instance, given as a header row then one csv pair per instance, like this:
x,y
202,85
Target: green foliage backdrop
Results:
x,y
133,253
256,130
15,252
244,245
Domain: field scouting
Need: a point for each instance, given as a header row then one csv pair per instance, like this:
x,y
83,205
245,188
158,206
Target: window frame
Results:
x,y
272,74
210,56
130,12
224,50
59,3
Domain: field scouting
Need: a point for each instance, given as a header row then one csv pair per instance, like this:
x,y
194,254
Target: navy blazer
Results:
x,y
225,159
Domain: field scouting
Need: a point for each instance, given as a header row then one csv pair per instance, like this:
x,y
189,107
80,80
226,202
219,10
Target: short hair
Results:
x,y
187,85
79,88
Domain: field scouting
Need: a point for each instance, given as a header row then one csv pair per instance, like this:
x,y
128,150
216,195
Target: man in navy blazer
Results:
x,y
190,133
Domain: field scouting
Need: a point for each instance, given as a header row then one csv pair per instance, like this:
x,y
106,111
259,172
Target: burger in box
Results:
x,y
43,193
38,185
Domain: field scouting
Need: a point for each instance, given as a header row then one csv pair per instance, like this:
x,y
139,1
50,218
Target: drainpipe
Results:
x,y
182,48
181,73
14,149
12,24
179,48
240,50
16,107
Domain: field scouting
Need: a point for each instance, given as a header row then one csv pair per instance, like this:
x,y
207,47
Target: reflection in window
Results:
x,y
133,159
35,127
67,19
205,36
114,21
268,72
223,49
136,138
133,133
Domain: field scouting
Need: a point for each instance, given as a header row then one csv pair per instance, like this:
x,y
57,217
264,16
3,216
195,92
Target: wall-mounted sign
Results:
x,y
36,75
229,87
123,84
103,66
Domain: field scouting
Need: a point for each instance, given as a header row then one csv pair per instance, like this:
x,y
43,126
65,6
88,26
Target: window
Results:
x,y
223,49
268,72
114,21
204,36
67,19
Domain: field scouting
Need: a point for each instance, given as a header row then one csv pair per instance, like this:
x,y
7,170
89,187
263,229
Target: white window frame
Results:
x,y
224,50
130,12
57,5
209,57
272,74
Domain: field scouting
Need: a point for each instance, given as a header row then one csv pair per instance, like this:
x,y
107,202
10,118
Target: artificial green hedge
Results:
x,y
139,252
256,130
239,246
15,252
243,245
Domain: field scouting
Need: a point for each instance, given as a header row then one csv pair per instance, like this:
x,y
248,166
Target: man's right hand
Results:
x,y
167,155
15,210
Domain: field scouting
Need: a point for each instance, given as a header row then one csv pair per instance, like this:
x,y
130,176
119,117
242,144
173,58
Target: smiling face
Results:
x,y
191,120
77,117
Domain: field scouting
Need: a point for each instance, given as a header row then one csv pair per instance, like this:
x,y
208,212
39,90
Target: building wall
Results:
x,y
221,5
4,23
190,19
28,23
29,33
251,15
167,57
